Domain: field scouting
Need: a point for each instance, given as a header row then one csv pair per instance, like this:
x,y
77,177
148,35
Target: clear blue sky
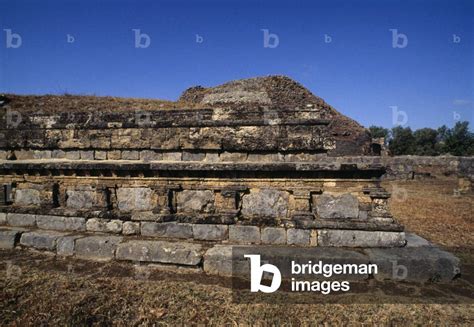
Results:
x,y
359,72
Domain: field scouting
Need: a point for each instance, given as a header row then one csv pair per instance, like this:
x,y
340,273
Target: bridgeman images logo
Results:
x,y
256,275
317,269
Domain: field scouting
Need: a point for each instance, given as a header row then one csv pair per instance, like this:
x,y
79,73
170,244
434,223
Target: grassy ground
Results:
x,y
41,290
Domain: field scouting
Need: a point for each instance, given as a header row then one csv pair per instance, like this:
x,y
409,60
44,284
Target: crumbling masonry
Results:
x,y
257,161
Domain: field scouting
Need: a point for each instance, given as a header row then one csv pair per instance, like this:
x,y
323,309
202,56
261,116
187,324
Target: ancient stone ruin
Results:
x,y
255,161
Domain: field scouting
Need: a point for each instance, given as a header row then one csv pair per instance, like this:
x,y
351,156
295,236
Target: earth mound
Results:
x,y
281,92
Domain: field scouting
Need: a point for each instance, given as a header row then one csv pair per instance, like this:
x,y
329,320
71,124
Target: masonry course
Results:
x,y
260,161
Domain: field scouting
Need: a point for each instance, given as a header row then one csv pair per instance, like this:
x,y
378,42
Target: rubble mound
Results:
x,y
278,93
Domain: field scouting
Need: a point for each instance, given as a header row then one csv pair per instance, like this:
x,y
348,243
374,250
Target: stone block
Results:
x,y
265,202
21,220
114,226
244,234
3,218
343,206
414,264
99,248
148,155
97,225
414,240
26,197
179,253
298,236
24,155
359,238
145,216
73,155
42,154
172,156
58,154
131,228
87,155
8,238
61,223
195,201
273,235
210,232
233,156
218,261
171,230
130,155
80,199
65,245
100,155
41,240
212,157
135,198
193,156
114,155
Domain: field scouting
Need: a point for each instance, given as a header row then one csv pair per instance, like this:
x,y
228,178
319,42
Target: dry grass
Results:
x,y
429,209
87,103
102,294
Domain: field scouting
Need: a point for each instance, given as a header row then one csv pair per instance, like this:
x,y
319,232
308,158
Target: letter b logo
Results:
x,y
256,275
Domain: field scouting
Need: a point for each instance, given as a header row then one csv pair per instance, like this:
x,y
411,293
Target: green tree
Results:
x,y
379,131
402,141
426,140
459,141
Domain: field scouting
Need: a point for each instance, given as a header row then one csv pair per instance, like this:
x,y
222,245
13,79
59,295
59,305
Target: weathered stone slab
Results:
x,y
96,225
87,155
97,247
80,199
8,238
172,230
193,156
160,251
195,201
130,155
131,228
265,202
414,240
244,234
218,260
21,220
26,197
229,260
343,206
298,236
100,155
134,198
210,232
41,240
358,238
273,235
419,264
65,245
114,226
3,218
61,223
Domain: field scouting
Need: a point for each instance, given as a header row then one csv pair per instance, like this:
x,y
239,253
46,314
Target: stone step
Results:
x,y
345,234
419,261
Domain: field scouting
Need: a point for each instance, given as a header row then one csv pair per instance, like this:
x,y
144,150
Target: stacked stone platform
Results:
x,y
424,261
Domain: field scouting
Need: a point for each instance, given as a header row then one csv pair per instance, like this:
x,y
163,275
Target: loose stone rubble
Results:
x,y
252,162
